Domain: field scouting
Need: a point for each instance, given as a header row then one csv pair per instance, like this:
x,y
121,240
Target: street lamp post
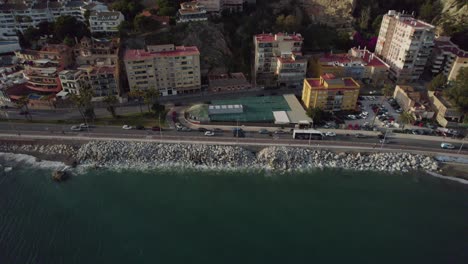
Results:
x,y
383,140
461,147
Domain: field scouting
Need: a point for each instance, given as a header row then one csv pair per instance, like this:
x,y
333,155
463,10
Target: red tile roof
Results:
x,y
367,59
446,45
140,54
343,83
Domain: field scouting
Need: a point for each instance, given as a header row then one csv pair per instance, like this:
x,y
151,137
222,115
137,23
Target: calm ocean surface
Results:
x,y
330,216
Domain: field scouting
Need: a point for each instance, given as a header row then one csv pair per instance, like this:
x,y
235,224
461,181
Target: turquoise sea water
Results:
x,y
330,216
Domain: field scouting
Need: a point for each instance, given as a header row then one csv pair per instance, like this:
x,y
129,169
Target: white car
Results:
x,y
75,128
353,117
127,127
209,133
447,146
330,134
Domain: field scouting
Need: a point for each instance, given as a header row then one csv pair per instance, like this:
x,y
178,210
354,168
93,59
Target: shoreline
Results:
x,y
134,155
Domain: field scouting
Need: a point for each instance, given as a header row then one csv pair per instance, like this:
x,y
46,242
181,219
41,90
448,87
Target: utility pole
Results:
x,y
383,140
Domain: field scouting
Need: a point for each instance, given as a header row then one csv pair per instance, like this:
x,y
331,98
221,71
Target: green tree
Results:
x,y
317,114
129,8
406,118
425,12
365,18
288,23
82,101
314,68
388,90
32,34
376,24
111,101
458,91
137,93
22,104
437,83
69,41
150,97
68,26
142,24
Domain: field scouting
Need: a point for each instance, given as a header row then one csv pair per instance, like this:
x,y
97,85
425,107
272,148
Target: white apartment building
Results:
x,y
105,22
404,43
278,58
17,15
212,6
191,11
448,58
169,69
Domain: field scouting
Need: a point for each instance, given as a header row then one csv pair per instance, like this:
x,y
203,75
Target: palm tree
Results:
x,y
137,93
82,101
111,100
21,103
150,97
406,118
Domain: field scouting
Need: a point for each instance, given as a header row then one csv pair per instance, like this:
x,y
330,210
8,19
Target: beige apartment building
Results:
x,y
415,101
448,58
278,60
447,114
169,69
405,43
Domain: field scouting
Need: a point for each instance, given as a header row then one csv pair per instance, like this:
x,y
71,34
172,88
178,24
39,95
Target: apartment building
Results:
x,y
212,6
330,93
17,15
447,114
278,60
42,67
105,21
359,64
97,66
404,43
233,5
448,58
169,69
97,51
228,82
191,11
413,100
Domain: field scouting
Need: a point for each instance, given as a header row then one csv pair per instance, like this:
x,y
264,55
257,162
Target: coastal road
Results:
x,y
252,137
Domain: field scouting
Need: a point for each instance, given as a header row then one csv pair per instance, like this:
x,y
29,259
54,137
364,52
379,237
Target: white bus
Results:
x,y
307,134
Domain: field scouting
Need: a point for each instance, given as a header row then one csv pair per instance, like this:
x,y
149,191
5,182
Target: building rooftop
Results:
x,y
278,37
107,15
355,57
444,43
140,54
327,80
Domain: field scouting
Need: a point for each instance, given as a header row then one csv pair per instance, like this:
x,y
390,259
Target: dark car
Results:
x,y
156,128
238,132
202,129
139,127
24,113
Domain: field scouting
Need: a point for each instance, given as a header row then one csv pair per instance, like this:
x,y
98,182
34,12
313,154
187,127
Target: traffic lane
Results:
x,y
223,138
117,131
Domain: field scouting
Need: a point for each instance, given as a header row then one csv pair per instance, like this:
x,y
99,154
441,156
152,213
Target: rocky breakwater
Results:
x,y
61,152
144,155
285,158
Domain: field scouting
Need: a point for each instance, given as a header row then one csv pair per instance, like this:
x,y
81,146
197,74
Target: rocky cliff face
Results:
x,y
335,13
454,13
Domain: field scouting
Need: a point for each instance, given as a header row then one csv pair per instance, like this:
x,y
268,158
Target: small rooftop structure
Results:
x,y
225,109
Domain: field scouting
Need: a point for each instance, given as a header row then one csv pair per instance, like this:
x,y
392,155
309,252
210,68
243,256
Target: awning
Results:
x,y
281,117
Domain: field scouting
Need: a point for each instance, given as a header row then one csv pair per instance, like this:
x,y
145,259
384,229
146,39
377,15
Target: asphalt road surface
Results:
x,y
225,136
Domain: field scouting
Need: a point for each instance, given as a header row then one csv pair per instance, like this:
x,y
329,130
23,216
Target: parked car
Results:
x,y
127,127
263,131
75,128
330,134
156,128
447,146
279,131
209,133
